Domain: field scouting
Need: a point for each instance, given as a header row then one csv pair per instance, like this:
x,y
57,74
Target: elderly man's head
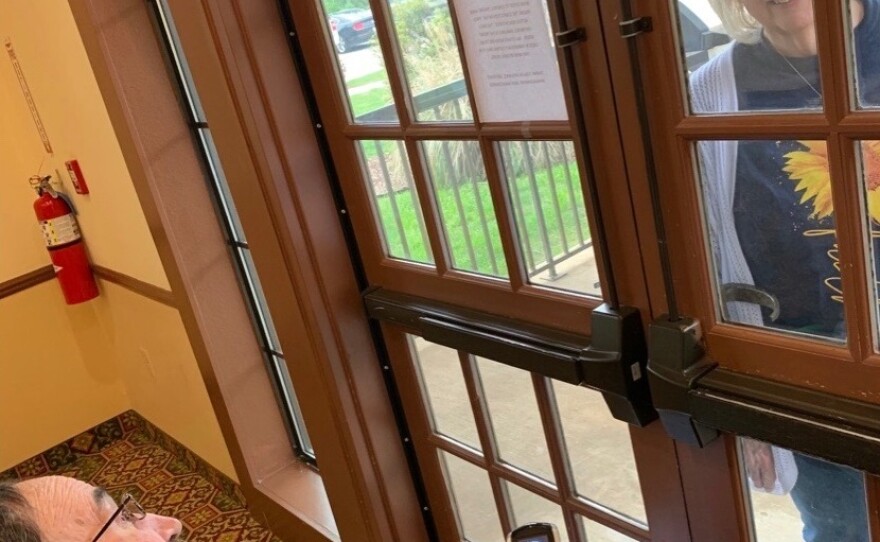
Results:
x,y
61,509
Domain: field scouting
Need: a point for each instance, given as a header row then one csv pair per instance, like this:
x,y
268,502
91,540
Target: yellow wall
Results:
x,y
163,381
119,352
55,377
54,61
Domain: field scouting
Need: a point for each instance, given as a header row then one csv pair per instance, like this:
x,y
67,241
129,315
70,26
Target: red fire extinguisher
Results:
x,y
65,243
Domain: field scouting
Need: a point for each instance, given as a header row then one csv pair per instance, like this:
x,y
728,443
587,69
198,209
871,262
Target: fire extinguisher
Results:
x,y
64,242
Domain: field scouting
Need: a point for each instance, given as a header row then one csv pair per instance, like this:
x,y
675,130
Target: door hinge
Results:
x,y
570,37
634,27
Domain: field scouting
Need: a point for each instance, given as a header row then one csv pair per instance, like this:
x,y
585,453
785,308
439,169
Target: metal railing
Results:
x,y
543,187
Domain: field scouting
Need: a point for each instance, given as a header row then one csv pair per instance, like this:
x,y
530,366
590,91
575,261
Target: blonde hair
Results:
x,y
737,21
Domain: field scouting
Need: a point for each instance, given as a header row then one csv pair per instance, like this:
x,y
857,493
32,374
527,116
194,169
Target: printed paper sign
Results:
x,y
511,60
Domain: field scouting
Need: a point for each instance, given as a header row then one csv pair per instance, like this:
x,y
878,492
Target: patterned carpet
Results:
x,y
129,455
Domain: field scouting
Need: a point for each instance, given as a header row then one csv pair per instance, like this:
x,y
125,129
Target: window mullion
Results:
x,y
847,187
393,61
503,215
487,438
429,208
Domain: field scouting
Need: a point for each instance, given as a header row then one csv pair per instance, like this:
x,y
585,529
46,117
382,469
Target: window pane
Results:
x,y
529,507
702,35
869,154
461,190
445,391
291,403
599,451
395,200
225,206
430,56
768,206
352,32
551,220
180,63
516,421
750,55
221,186
255,289
596,532
797,497
512,60
472,499
865,68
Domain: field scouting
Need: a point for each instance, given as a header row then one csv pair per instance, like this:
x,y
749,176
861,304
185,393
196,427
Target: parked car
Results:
x,y
351,28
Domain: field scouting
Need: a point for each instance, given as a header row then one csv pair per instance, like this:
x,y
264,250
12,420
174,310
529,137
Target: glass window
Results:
x,y
599,452
512,60
750,55
352,30
429,48
516,421
461,190
868,154
530,507
446,396
395,200
864,18
793,496
291,403
225,203
596,532
260,307
247,272
551,220
472,499
768,205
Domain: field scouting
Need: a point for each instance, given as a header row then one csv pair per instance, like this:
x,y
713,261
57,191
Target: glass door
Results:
x,y
516,170
763,116
478,150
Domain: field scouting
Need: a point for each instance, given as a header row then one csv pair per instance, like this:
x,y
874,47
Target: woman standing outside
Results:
x,y
772,227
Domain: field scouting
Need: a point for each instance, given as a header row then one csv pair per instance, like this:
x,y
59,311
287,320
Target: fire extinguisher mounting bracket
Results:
x,y
44,184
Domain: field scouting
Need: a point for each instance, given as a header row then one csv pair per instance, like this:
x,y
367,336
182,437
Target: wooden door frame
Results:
x,y
656,455
710,477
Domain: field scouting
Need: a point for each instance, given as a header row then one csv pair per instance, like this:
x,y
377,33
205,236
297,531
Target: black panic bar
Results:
x,y
612,362
842,430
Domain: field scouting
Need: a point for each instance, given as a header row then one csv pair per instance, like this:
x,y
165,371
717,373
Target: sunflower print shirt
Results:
x,y
782,202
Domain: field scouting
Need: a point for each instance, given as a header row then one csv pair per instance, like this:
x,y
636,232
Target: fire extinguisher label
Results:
x,y
60,231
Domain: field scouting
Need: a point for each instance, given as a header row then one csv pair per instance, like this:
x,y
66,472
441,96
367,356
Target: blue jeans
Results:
x,y
832,502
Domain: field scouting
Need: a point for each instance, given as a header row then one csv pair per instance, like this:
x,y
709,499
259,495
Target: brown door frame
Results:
x,y
763,353
656,455
848,370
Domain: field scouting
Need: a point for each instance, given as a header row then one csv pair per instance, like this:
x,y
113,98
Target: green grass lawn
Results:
x,y
486,242
374,77
372,99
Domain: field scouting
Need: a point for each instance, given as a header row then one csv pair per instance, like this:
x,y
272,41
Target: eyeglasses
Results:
x,y
129,509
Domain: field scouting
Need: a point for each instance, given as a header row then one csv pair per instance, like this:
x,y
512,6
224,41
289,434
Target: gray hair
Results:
x,y
737,21
16,523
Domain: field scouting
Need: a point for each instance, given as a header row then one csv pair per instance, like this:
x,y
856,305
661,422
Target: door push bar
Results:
x,y
696,400
612,362
676,363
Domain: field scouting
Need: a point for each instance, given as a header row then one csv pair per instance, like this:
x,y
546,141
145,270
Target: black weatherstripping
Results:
x,y
612,362
298,57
